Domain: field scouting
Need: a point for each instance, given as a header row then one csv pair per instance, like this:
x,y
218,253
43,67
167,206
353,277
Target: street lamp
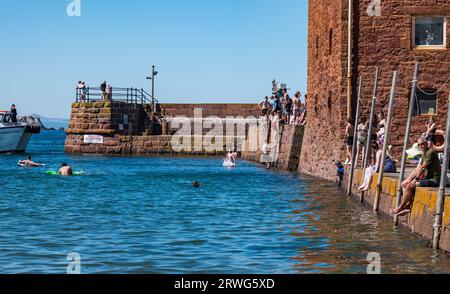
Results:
x,y
154,74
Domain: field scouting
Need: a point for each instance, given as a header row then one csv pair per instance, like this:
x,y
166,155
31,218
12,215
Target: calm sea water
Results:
x,y
141,215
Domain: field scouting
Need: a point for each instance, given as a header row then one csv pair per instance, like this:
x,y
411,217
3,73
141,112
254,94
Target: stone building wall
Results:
x,y
326,89
384,40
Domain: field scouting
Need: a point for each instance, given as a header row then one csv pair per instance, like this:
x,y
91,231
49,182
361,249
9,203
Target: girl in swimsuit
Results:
x,y
349,129
362,139
296,105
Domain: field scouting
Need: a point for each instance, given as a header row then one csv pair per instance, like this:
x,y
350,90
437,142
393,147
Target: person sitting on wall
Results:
x,y
65,170
372,170
427,174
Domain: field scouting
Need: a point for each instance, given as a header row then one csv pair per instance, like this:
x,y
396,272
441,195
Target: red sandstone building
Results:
x,y
391,34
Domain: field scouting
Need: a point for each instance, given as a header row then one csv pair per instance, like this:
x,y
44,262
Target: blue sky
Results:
x,y
205,50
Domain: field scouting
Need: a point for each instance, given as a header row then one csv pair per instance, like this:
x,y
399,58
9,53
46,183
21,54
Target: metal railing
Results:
x,y
128,95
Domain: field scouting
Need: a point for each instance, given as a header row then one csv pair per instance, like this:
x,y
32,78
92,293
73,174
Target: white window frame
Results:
x,y
429,47
435,114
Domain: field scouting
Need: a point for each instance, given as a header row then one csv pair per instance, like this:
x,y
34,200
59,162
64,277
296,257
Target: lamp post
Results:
x,y
154,74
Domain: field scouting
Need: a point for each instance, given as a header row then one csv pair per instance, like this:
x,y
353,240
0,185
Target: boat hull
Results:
x,y
13,139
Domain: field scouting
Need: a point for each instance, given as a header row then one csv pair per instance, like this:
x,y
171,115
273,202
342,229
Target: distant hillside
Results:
x,y
55,123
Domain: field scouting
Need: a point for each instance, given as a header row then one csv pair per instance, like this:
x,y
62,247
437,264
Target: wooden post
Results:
x,y
386,143
443,185
354,158
405,144
369,131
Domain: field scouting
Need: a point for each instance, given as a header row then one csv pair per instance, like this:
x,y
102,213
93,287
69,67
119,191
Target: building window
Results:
x,y
429,32
426,103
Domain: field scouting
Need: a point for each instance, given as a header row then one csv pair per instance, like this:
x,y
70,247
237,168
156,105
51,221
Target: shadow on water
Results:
x,y
142,215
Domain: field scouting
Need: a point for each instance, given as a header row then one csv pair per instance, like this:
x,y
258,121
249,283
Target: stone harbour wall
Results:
x,y
219,110
290,147
144,145
105,118
120,128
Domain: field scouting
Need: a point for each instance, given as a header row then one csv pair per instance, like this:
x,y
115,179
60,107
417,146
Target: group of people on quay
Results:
x,y
280,106
83,91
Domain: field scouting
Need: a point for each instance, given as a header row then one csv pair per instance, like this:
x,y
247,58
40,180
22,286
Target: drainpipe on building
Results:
x,y
349,59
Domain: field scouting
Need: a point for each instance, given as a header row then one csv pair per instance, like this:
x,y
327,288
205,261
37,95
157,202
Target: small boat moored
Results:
x,y
14,137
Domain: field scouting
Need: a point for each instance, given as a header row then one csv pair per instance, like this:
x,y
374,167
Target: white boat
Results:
x,y
14,137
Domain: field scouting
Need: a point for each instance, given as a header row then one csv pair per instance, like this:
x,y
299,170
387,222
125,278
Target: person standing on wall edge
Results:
x,y
103,89
13,114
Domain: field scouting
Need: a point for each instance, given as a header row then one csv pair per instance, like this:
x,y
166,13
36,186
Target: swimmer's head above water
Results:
x,y
196,184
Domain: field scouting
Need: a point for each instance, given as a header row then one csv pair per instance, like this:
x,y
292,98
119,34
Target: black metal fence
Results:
x,y
128,95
